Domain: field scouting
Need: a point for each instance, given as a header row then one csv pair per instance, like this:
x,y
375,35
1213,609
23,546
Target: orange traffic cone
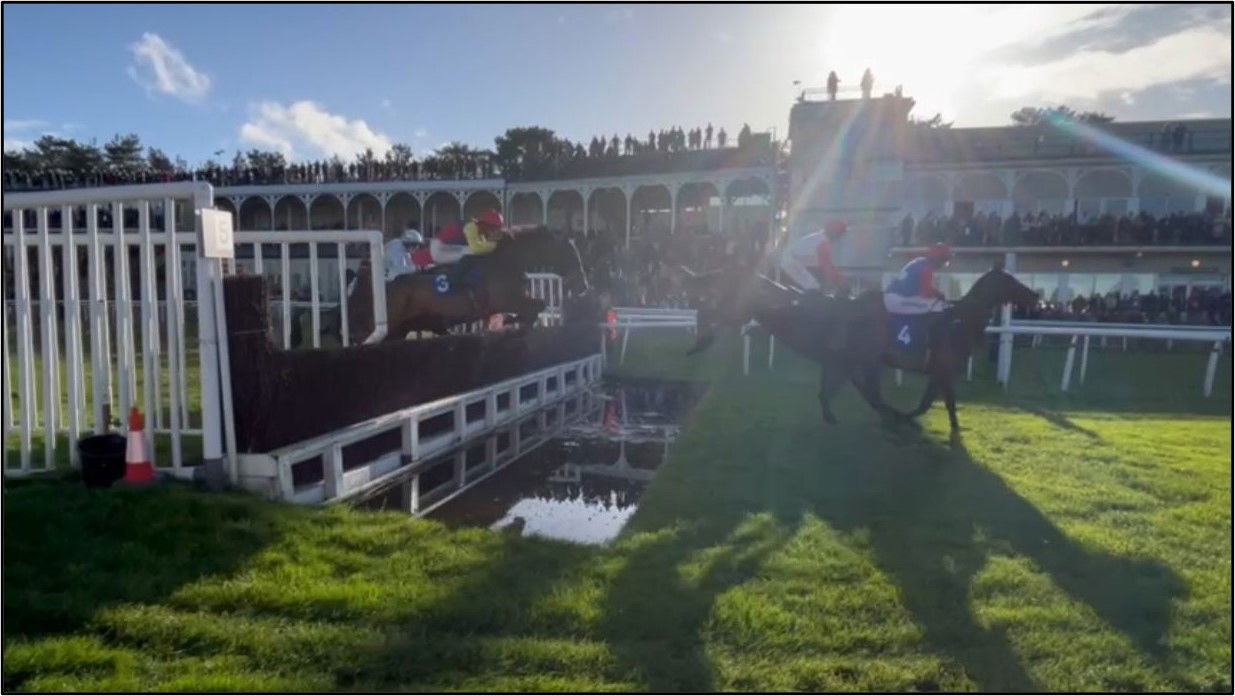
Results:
x,y
611,320
137,466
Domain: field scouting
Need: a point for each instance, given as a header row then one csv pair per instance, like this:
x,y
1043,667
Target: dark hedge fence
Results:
x,y
283,397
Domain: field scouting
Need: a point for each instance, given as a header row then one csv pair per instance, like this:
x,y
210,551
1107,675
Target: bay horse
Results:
x,y
439,298
866,347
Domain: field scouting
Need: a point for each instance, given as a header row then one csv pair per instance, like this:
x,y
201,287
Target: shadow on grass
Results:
x,y
1060,420
70,551
935,516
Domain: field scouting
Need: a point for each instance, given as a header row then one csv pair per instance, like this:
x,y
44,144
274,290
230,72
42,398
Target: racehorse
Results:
x,y
473,289
867,346
728,297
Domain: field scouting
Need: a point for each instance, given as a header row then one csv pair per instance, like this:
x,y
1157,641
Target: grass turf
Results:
x,y
1076,541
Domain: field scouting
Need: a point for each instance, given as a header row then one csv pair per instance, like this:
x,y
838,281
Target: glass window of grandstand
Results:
x,y
1105,283
1077,285
1140,283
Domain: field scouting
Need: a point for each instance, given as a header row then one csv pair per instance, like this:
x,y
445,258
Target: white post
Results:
x,y
175,330
100,351
209,277
1084,357
746,354
900,377
969,369
1212,367
150,327
313,304
771,351
1004,371
286,298
341,250
50,345
1067,365
125,379
72,335
625,340
630,212
25,343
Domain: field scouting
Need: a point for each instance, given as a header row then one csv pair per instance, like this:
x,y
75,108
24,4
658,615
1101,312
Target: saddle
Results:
x,y
909,335
466,277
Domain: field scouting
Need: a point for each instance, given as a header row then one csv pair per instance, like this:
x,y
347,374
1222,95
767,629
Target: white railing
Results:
x,y
271,474
628,319
73,408
337,241
1082,333
547,287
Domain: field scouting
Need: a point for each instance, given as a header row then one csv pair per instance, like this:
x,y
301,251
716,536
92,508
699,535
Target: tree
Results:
x,y
1033,116
459,157
528,151
159,162
266,160
123,153
399,155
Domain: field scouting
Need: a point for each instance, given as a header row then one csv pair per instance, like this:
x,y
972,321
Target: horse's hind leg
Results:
x,y
867,384
830,382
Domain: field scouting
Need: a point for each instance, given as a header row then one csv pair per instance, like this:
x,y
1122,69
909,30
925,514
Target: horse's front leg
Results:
x,y
949,398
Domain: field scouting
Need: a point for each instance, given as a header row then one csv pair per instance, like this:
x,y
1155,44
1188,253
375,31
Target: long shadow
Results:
x,y
70,551
935,516
1060,420
656,610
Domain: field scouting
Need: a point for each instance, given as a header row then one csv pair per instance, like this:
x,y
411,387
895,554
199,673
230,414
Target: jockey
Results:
x,y
406,254
473,238
913,291
815,250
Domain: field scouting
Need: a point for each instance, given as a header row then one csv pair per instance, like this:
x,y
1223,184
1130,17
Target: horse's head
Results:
x,y
539,249
359,298
997,287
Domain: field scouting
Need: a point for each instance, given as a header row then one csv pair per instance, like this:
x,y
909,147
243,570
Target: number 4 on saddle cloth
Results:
x,y
909,336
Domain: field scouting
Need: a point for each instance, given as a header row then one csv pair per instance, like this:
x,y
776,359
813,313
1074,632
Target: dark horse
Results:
x,y
474,289
727,297
866,347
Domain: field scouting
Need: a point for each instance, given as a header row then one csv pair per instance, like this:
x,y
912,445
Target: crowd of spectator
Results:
x,y
1043,229
1200,305
672,140
650,272
659,152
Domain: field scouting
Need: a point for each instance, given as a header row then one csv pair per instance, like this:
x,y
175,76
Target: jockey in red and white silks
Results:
x,y
814,250
914,291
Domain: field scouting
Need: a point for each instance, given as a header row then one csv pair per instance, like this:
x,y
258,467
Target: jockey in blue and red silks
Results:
x,y
914,291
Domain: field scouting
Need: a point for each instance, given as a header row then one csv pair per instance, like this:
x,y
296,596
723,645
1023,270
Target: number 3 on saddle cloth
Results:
x,y
464,277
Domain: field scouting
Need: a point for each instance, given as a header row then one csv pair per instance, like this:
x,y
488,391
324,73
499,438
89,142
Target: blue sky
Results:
x,y
317,80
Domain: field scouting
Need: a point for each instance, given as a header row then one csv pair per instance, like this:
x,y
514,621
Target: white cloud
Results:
x,y
159,67
18,130
23,124
386,104
1191,54
305,128
420,133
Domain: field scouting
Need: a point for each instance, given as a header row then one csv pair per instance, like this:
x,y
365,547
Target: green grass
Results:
x,y
1077,542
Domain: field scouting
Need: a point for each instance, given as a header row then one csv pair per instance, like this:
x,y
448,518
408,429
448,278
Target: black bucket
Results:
x,y
102,459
